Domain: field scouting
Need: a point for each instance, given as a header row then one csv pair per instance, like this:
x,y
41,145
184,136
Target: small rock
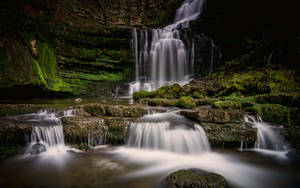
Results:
x,y
37,149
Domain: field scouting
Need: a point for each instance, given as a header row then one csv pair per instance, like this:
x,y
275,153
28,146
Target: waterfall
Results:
x,y
49,135
167,131
47,132
166,61
268,136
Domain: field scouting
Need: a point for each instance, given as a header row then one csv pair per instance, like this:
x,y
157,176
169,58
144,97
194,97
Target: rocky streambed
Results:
x,y
95,124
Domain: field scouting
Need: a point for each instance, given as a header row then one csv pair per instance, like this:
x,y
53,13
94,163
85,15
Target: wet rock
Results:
x,y
38,148
13,132
114,110
195,178
229,135
209,115
94,131
16,109
224,128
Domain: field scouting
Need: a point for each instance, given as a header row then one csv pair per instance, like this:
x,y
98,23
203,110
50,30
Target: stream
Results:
x,y
156,145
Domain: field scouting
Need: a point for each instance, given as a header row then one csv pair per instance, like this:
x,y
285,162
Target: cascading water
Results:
x,y
48,132
167,131
167,60
50,135
268,136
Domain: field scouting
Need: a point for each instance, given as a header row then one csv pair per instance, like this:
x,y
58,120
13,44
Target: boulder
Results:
x,y
194,178
37,149
13,133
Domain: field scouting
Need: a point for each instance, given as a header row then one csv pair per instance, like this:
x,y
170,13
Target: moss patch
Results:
x,y
227,105
186,102
273,113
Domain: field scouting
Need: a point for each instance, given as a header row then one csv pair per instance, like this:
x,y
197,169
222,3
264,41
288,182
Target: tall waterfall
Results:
x,y
165,60
268,136
167,131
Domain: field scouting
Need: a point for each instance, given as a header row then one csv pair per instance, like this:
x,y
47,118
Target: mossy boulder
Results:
x,y
141,94
186,102
195,178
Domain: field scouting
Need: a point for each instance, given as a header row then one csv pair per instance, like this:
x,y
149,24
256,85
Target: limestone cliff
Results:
x,y
62,48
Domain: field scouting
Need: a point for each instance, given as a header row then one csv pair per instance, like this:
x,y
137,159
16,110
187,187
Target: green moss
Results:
x,y
282,81
227,105
40,74
205,101
47,62
273,113
186,102
142,94
197,95
46,69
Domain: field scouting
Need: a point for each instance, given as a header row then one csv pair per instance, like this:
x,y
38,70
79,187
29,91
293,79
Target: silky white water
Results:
x,y
268,137
47,131
156,162
165,60
168,132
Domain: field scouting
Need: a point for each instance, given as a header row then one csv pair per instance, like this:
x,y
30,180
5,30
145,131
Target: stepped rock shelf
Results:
x,y
96,124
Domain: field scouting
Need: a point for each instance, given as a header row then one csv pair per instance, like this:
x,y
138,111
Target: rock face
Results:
x,y
224,128
97,124
195,178
113,110
210,115
95,131
63,48
13,132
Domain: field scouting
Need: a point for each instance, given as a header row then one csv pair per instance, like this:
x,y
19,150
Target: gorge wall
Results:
x,y
64,48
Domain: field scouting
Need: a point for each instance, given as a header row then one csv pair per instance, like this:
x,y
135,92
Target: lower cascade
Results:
x,y
167,131
268,136
49,131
